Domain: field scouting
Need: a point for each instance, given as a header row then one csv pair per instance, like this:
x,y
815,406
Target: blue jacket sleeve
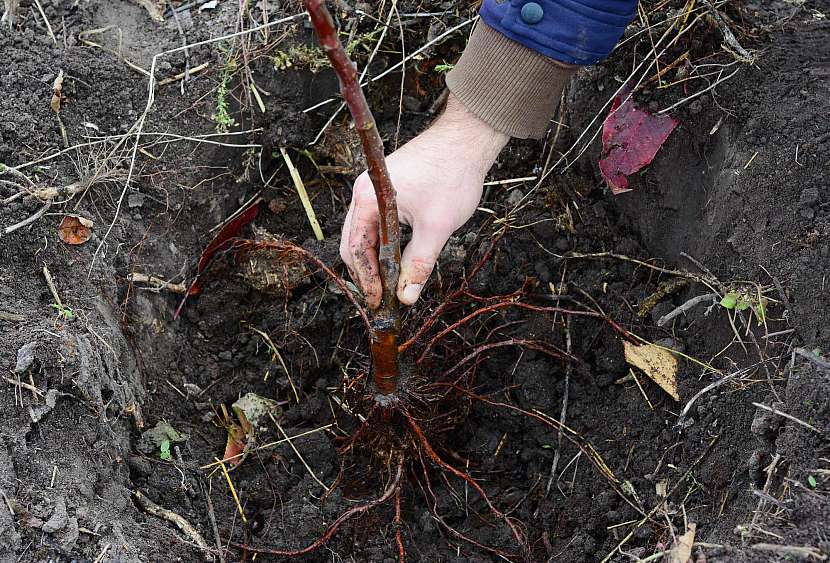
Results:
x,y
577,32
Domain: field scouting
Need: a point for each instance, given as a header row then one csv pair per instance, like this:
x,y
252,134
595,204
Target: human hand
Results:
x,y
438,178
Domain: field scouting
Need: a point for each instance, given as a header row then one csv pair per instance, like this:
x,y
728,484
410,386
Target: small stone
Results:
x,y
135,199
695,107
25,357
453,251
59,518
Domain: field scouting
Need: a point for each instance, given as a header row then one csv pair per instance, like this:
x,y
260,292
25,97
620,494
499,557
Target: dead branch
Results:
x,y
182,524
690,304
157,284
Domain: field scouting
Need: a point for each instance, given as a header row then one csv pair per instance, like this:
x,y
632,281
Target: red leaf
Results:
x,y
235,445
222,241
631,138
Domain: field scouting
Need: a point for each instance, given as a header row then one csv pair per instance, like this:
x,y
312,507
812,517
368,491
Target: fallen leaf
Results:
x,y
631,138
57,95
682,550
222,241
659,364
250,411
75,229
235,445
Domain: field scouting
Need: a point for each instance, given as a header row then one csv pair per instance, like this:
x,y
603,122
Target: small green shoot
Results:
x,y
812,480
222,116
741,300
64,312
444,68
729,301
164,450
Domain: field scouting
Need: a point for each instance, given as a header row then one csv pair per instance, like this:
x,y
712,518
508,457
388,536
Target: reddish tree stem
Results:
x,y
386,319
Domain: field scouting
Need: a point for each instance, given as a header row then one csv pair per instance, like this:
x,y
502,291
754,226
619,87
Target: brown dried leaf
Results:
x,y
57,96
659,364
682,551
75,229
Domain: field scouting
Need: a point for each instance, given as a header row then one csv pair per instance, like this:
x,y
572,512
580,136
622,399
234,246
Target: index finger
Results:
x,y
360,249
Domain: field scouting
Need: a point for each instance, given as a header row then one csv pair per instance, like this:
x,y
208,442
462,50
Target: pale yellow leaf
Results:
x,y
682,550
657,363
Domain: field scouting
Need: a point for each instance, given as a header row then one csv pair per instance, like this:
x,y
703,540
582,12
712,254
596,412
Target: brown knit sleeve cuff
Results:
x,y
512,88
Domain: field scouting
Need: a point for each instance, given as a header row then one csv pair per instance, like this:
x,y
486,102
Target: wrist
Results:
x,y
468,134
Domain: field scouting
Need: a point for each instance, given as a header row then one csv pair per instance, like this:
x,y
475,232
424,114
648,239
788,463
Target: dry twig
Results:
x,y
182,524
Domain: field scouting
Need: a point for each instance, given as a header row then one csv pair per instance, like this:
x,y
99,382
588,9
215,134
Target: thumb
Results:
x,y
417,262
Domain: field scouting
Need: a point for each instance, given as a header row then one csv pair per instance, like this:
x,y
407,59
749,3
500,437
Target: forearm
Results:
x,y
522,54
507,85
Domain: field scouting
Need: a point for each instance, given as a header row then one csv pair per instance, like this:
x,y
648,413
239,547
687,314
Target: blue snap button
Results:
x,y
532,13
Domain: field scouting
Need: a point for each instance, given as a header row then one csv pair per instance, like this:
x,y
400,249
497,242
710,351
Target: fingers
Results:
x,y
358,245
418,260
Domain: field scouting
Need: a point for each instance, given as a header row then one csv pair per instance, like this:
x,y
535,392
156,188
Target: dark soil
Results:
x,y
741,186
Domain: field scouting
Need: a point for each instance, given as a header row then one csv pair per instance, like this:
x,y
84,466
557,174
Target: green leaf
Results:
x,y
743,305
729,301
812,481
165,451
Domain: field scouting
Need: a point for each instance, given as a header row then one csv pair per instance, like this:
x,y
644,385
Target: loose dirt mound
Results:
x,y
737,198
